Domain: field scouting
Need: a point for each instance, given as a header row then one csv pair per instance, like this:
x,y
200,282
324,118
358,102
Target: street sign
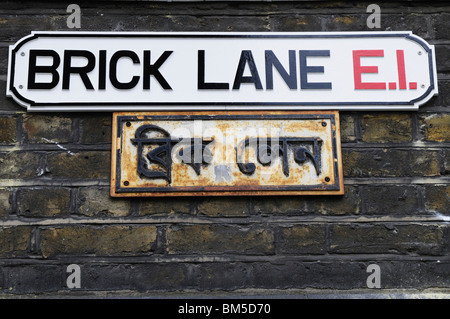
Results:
x,y
142,71
226,153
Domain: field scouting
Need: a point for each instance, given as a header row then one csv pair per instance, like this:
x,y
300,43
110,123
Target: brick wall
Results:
x,y
55,207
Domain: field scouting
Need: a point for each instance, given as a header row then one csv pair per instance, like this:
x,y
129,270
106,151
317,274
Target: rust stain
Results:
x,y
345,20
296,169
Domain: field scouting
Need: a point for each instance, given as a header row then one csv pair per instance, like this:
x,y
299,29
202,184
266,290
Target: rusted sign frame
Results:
x,y
121,189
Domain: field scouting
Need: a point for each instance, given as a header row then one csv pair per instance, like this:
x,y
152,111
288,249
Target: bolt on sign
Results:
x,y
129,71
223,113
226,153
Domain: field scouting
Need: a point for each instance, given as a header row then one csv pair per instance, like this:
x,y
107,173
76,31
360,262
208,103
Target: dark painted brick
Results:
x,y
202,239
389,200
349,203
83,164
219,277
17,26
298,274
274,205
417,23
442,99
441,24
167,276
390,163
302,239
99,241
43,202
33,279
442,57
422,239
4,51
248,23
96,128
7,103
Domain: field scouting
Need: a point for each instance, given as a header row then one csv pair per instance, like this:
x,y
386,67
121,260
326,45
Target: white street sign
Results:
x,y
141,71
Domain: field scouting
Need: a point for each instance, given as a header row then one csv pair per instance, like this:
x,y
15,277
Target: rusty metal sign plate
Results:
x,y
226,153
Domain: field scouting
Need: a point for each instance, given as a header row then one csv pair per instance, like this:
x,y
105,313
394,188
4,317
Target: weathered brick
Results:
x,y
442,99
446,156
390,162
386,128
146,277
347,124
302,239
96,128
20,165
295,22
423,239
16,26
437,199
8,130
399,21
349,203
149,278
100,241
4,202
443,57
49,128
96,202
440,25
436,127
346,22
389,200
218,207
14,241
274,205
7,103
163,206
43,202
26,278
212,239
4,51
423,163
238,23
83,164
